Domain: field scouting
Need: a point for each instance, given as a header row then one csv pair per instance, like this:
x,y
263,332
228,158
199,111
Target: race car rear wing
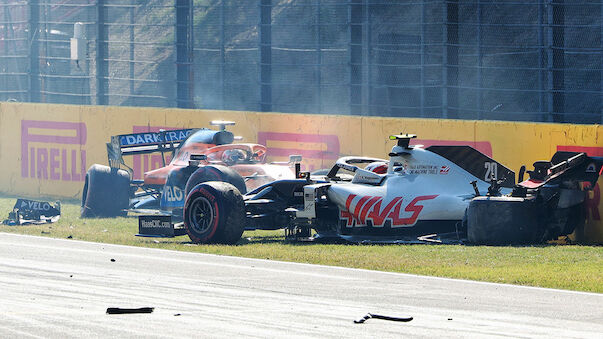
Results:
x,y
164,141
144,143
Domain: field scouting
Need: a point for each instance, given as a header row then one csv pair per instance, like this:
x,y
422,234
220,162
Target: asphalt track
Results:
x,y
62,288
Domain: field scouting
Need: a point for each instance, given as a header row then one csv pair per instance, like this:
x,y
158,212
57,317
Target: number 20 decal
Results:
x,y
491,171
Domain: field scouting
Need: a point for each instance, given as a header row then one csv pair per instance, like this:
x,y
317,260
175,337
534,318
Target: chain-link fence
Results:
x,y
531,60
14,60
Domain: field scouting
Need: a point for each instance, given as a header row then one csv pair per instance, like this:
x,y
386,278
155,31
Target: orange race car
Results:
x,y
198,155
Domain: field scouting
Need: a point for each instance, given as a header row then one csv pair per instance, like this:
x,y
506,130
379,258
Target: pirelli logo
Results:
x,y
53,150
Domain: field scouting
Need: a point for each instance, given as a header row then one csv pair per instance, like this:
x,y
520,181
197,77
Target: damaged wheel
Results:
x,y
504,221
214,212
106,192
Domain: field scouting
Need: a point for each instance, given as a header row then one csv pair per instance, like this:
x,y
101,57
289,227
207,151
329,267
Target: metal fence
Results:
x,y
14,82
530,60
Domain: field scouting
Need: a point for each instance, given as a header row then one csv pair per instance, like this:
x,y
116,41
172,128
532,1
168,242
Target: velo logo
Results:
x,y
173,193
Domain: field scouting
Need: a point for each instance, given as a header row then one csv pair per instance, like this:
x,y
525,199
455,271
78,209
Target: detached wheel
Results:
x,y
214,212
106,192
215,173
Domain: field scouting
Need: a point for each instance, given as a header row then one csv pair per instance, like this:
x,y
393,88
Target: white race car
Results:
x,y
417,195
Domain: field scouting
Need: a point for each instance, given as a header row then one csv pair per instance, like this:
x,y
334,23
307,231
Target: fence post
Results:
x,y
318,59
266,55
549,59
444,42
555,60
422,71
452,59
132,46
184,51
34,51
223,55
601,64
101,52
480,83
356,46
542,65
559,61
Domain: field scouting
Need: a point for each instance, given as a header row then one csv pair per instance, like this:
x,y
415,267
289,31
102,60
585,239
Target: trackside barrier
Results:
x,y
46,149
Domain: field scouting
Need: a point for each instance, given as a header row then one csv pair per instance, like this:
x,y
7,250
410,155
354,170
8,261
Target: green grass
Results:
x,y
555,266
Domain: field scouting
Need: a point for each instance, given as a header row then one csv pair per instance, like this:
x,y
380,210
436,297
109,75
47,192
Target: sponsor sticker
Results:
x,y
155,226
147,138
422,169
34,205
173,193
375,211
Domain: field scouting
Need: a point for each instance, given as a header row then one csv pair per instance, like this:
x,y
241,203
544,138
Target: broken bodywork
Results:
x,y
190,157
416,195
28,211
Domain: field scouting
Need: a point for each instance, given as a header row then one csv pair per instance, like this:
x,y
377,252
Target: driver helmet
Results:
x,y
233,156
378,167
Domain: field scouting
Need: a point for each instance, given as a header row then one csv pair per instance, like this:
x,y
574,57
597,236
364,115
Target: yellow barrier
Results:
x,y
46,149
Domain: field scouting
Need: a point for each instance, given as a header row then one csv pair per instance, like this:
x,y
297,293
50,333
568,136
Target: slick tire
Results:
x,y
215,173
504,221
214,212
106,192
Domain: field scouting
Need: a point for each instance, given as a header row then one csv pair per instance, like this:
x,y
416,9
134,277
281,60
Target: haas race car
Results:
x,y
431,194
197,155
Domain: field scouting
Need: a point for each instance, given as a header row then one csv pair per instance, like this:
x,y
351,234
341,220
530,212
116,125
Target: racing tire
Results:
x,y
215,173
106,192
214,212
504,221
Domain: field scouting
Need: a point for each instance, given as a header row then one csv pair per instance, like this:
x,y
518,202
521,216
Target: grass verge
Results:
x,y
555,266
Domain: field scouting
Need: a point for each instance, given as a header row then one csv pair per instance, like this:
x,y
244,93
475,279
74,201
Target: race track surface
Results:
x,y
62,288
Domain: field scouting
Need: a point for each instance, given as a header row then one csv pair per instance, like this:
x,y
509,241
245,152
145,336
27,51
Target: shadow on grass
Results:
x,y
267,239
244,241
184,240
